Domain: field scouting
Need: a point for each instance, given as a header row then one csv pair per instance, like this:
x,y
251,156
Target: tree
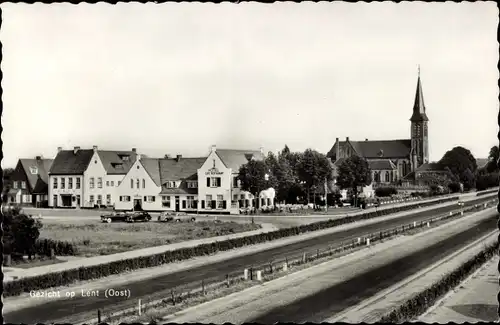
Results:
x,y
469,180
7,183
459,160
493,156
313,170
353,173
20,233
252,176
282,177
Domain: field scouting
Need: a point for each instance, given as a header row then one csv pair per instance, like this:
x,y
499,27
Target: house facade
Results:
x,y
219,189
391,160
85,178
30,182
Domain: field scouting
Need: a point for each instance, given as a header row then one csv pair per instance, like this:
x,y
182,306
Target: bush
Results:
x,y
425,299
454,187
385,191
61,248
67,277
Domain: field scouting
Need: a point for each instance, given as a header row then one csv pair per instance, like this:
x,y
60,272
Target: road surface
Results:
x,y
78,309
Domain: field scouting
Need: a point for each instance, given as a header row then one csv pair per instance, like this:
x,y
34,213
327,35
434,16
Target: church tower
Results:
x,y
419,130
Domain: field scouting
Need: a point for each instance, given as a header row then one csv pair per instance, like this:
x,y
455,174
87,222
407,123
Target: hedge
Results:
x,y
386,191
67,277
417,305
61,248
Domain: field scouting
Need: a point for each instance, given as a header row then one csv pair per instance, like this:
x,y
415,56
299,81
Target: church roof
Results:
x,y
382,148
381,164
419,106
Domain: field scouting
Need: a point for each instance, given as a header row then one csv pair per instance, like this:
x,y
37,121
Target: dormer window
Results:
x,y
192,184
170,184
34,170
124,157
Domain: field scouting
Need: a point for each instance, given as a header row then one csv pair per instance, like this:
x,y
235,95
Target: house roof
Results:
x,y
481,162
114,164
381,164
152,167
234,159
67,162
43,167
430,167
172,169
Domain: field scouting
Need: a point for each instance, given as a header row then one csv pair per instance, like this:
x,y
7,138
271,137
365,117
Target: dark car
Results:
x,y
114,216
139,216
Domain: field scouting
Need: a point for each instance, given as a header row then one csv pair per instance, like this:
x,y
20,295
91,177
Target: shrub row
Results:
x,y
67,277
417,305
62,248
487,192
386,191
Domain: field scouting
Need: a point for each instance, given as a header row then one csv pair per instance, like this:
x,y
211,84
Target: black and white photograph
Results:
x,y
250,162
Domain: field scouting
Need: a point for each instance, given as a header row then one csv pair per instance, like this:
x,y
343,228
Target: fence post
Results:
x,y
139,307
271,267
367,241
98,316
317,253
259,275
286,261
304,258
414,224
173,296
251,273
428,224
52,253
203,286
285,266
245,274
227,280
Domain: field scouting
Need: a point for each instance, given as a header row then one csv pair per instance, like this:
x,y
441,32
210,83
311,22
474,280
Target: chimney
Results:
x,y
366,139
347,139
214,147
59,149
75,150
38,157
167,156
95,148
261,149
178,157
134,150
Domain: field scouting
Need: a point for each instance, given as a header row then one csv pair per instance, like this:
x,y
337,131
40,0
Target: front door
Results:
x,y
177,204
55,201
137,205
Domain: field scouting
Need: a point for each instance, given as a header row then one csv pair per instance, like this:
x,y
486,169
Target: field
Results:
x,y
92,237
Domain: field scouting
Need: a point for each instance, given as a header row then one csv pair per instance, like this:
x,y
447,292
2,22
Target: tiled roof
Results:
x,y
152,167
382,148
114,164
381,164
234,159
42,177
184,168
430,167
67,162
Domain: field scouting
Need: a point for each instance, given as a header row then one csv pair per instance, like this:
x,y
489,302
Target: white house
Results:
x,y
88,177
141,186
218,187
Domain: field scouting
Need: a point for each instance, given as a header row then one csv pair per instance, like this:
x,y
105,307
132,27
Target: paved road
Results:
x,y
332,300
78,309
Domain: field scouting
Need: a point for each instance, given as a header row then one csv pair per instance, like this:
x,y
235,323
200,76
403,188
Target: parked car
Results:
x,y
114,216
175,217
139,216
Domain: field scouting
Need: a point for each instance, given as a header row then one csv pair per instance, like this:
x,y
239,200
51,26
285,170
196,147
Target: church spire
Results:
x,y
419,106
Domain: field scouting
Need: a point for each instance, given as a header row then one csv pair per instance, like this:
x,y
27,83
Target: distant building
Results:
x,y
87,177
30,182
391,160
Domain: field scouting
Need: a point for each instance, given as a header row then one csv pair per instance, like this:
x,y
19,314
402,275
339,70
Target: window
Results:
x,y
63,183
192,184
27,198
91,182
78,199
112,183
33,170
131,183
242,196
108,199
91,200
70,183
119,182
213,181
191,204
235,197
23,184
165,202
78,183
99,199
14,184
220,202
235,181
387,177
138,183
54,185
125,198
143,183
107,183
209,201
99,182
149,198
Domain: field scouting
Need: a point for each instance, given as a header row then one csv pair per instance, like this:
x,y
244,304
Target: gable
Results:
x,y
117,162
140,170
234,159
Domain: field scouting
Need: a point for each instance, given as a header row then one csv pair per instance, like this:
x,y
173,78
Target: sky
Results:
x,y
177,78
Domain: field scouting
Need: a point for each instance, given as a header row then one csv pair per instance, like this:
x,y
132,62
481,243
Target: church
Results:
x,y
391,160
